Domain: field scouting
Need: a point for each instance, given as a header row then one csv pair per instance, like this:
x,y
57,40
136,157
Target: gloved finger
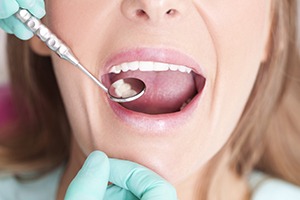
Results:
x,y
91,181
18,28
114,192
5,27
8,8
142,182
35,7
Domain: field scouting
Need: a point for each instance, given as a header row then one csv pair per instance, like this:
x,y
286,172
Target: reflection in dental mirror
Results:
x,y
125,90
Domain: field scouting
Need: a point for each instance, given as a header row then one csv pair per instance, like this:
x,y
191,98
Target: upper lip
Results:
x,y
152,54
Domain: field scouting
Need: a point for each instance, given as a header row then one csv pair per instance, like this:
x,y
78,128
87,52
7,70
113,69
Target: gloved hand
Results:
x,y
130,181
12,25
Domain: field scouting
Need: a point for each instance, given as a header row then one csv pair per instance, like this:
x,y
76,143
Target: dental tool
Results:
x,y
121,91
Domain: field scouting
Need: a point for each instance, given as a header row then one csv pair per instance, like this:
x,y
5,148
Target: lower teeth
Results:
x,y
185,104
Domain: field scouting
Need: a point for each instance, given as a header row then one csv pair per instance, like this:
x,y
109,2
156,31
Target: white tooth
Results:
x,y
124,67
182,68
133,66
173,67
115,69
188,70
128,93
118,69
185,104
161,66
122,89
118,83
112,70
189,100
146,66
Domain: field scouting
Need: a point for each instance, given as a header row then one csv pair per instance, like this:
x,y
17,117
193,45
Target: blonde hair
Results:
x,y
267,136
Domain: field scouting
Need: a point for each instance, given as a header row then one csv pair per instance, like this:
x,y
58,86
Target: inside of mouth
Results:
x,y
166,91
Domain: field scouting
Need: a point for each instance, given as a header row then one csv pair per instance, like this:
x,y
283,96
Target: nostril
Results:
x,y
141,13
171,12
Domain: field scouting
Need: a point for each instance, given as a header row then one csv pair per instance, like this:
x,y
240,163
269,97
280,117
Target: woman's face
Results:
x,y
222,42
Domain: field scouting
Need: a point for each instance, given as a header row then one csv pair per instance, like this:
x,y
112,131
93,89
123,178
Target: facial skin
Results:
x,y
226,38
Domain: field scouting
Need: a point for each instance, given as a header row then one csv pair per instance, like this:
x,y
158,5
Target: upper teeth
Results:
x,y
147,66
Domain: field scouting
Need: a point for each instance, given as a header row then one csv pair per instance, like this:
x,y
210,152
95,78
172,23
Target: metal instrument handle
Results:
x,y
55,44
40,30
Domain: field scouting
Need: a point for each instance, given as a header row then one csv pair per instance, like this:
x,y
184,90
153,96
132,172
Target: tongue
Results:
x,y
165,92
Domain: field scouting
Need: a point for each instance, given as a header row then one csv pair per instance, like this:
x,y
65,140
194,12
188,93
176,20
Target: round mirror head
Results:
x,y
126,90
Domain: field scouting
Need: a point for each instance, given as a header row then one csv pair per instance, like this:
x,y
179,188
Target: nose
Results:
x,y
154,11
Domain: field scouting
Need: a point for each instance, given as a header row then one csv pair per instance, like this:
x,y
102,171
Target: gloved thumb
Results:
x,y
91,181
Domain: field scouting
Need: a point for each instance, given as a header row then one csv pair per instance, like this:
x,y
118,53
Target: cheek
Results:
x,y
240,34
76,22
64,21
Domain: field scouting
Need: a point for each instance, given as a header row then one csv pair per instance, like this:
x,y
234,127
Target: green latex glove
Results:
x,y
130,181
12,25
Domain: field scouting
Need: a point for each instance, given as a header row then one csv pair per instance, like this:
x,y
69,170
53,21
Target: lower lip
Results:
x,y
160,124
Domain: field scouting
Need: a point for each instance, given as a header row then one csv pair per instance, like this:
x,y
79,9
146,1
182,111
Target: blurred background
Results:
x,y
3,62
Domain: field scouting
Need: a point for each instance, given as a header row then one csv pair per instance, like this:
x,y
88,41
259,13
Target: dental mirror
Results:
x,y
126,90
121,91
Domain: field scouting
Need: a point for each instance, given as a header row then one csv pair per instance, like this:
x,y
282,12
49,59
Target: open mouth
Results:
x,y
169,87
